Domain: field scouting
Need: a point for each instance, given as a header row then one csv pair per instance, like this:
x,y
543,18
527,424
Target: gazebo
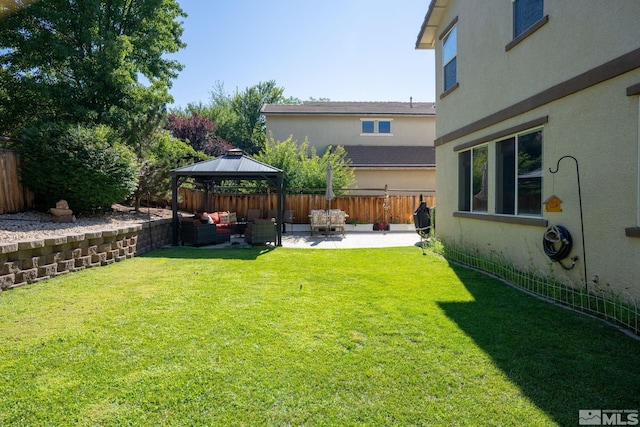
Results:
x,y
234,165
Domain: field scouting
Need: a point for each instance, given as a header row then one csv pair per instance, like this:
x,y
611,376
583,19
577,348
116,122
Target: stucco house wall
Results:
x,y
323,131
333,124
410,179
575,78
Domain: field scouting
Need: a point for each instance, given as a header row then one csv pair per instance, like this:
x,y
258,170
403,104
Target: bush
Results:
x,y
88,167
164,154
305,169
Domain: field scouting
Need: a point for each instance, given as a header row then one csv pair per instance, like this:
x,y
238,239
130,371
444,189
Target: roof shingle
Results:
x,y
353,108
386,156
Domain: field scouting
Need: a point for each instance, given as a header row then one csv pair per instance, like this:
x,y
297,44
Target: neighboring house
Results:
x,y
521,84
389,143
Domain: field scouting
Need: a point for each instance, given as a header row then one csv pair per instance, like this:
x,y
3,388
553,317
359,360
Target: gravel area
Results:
x,y
37,225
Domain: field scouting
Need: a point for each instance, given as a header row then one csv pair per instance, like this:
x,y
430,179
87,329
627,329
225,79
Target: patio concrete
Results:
x,y
373,239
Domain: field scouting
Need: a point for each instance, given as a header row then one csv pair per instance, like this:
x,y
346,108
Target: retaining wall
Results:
x,y
31,261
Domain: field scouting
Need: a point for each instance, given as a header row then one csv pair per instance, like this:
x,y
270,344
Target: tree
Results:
x,y
69,61
199,132
165,153
238,116
247,106
304,169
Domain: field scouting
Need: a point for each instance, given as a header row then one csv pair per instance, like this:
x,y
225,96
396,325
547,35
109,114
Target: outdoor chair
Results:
x,y
260,232
317,220
337,220
253,214
202,234
288,218
328,221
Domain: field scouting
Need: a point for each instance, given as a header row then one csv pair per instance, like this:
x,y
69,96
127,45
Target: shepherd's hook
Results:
x,y
584,252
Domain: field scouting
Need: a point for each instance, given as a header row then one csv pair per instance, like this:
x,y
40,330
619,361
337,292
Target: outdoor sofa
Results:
x,y
222,220
195,232
327,221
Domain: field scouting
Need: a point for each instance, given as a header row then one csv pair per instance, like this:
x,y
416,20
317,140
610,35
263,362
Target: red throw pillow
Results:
x,y
216,218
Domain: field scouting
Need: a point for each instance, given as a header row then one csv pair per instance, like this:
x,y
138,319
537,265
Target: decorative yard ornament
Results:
x,y
553,204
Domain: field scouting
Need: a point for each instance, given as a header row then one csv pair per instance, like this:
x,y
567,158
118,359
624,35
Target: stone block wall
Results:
x,y
160,235
31,261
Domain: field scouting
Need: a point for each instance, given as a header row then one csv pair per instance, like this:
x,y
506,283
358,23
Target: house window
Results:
x,y
635,231
367,126
450,58
638,200
519,175
376,127
472,179
525,14
384,126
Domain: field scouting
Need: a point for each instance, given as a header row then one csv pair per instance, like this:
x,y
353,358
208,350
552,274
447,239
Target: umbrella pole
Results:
x,y
329,219
329,195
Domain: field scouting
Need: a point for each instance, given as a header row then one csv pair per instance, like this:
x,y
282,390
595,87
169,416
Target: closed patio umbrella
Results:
x,y
329,194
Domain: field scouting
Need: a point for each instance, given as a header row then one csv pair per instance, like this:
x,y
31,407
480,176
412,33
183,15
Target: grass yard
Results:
x,y
188,337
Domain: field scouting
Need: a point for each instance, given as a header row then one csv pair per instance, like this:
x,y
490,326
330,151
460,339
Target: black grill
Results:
x,y
422,219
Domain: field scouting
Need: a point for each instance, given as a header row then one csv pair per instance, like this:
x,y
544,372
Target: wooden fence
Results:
x,y
363,209
13,196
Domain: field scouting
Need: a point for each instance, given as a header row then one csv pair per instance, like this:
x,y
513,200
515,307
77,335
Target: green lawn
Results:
x,y
189,337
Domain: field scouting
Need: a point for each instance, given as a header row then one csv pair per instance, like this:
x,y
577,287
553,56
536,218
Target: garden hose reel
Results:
x,y
557,244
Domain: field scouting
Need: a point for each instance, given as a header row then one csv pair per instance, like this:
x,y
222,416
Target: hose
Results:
x,y
557,243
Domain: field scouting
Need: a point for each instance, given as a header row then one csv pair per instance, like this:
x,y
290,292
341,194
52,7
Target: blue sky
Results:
x,y
344,50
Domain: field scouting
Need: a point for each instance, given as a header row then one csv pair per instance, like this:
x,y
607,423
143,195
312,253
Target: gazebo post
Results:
x,y
280,184
174,208
205,202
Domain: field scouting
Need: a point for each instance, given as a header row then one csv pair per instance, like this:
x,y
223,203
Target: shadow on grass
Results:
x,y
190,252
561,360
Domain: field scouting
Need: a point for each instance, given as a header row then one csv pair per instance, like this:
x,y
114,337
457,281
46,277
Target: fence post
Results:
x,y
13,196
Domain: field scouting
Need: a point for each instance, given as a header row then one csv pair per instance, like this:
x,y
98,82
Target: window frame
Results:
x,y
467,179
532,28
635,230
444,35
376,127
638,195
491,141
362,129
515,16
379,129
446,61
500,184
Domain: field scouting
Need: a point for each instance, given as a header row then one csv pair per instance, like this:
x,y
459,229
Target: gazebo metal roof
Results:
x,y
234,165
